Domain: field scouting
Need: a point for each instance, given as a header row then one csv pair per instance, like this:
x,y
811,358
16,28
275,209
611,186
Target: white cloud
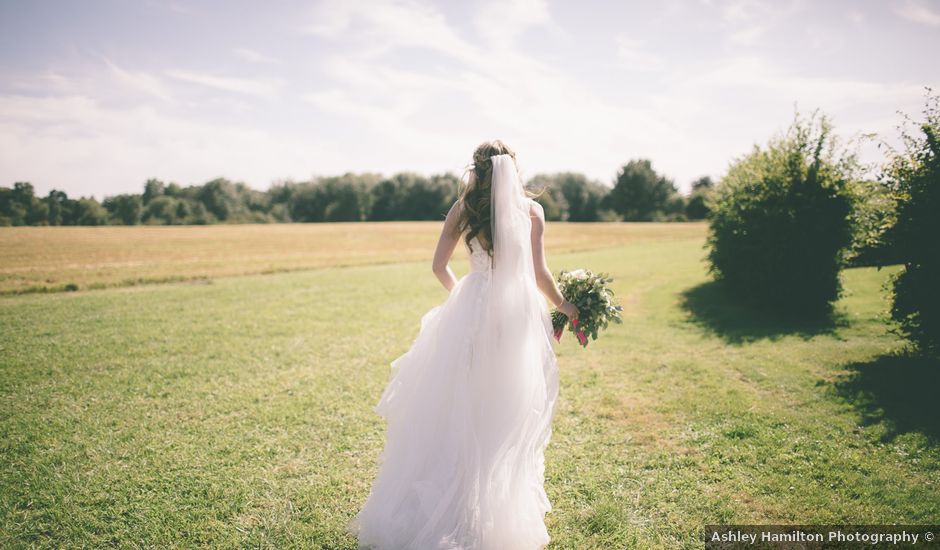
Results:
x,y
414,143
388,24
506,93
253,56
919,12
500,22
559,122
747,22
749,11
180,8
141,81
268,88
741,10
747,36
49,82
753,74
635,56
413,85
174,7
78,144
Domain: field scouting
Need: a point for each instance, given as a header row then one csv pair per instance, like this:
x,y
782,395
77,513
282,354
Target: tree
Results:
x,y
161,210
914,177
222,199
409,196
125,209
781,221
306,203
344,201
174,190
551,199
347,197
696,207
640,194
704,183
90,212
61,209
386,199
430,198
12,211
674,210
153,188
333,199
578,198
19,206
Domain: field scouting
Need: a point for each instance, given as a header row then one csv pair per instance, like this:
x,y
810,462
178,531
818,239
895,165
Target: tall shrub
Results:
x,y
914,176
640,194
780,220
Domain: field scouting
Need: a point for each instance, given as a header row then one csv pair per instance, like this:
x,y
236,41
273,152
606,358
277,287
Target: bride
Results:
x,y
469,406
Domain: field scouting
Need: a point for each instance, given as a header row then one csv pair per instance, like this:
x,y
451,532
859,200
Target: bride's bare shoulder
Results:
x,y
452,219
455,208
535,210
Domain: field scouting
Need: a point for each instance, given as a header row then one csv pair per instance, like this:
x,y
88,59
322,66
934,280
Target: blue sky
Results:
x,y
97,96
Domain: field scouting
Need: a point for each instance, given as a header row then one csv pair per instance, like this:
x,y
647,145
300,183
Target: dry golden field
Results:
x,y
43,259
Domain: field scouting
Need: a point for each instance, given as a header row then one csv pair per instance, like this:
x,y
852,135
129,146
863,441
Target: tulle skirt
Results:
x,y
468,414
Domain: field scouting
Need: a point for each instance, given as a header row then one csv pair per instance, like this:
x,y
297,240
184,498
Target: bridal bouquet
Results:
x,y
596,307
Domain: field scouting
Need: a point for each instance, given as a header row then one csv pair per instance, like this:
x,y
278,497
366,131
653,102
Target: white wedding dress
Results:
x,y
469,406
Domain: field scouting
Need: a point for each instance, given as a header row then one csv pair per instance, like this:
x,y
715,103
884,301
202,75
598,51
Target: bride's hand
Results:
x,y
570,310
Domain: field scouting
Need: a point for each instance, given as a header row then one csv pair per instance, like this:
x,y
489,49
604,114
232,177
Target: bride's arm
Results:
x,y
445,249
543,275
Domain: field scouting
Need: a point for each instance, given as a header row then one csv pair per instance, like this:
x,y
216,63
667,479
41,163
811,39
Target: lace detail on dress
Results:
x,y
480,259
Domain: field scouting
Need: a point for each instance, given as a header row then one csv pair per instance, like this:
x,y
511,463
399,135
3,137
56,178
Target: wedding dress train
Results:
x,y
469,406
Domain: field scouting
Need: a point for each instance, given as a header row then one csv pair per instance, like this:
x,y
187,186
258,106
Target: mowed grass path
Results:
x,y
49,259
238,413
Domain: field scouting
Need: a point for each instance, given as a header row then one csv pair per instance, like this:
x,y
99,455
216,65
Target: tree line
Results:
x,y
638,193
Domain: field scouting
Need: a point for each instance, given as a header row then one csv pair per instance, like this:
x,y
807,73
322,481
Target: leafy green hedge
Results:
x,y
781,221
914,176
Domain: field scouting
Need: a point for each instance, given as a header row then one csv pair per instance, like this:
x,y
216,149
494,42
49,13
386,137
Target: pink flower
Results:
x,y
581,337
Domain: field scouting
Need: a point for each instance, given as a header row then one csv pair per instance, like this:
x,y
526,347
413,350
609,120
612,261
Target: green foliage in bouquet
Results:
x,y
595,302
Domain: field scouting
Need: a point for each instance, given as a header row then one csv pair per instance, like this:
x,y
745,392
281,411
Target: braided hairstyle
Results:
x,y
474,217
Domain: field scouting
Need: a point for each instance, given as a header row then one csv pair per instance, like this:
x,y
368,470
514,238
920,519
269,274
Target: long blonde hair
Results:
x,y
474,216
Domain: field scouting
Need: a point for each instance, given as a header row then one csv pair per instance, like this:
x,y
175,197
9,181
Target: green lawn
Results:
x,y
237,412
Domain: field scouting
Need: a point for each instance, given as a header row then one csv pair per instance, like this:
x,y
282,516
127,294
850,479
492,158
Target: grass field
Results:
x,y
237,412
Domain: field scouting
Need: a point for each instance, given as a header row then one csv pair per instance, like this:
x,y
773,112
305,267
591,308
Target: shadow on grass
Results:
x,y
718,311
898,391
